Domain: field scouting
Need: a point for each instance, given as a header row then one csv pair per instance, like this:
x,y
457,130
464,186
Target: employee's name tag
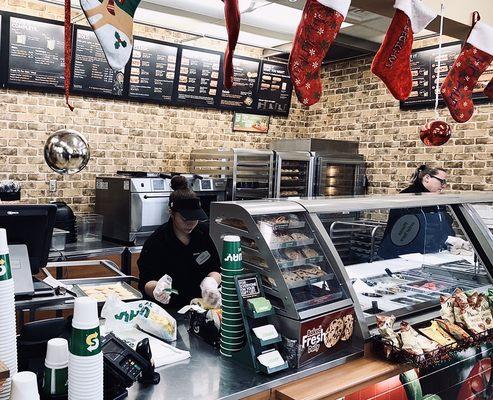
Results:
x,y
203,257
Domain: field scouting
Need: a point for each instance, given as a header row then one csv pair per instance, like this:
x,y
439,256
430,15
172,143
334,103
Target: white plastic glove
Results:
x,y
210,291
160,293
458,245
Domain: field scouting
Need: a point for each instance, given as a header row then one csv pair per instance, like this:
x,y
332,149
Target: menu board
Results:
x,y
199,78
242,95
36,54
424,70
92,73
274,88
152,72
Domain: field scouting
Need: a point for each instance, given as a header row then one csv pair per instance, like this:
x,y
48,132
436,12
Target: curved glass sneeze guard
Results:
x,y
306,272
403,260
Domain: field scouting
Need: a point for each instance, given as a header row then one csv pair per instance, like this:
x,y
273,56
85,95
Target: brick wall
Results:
x,y
357,106
122,135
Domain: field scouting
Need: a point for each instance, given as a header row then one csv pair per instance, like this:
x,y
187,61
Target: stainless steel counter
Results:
x,y
209,376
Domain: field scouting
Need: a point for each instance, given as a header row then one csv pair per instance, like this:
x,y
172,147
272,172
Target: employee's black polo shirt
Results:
x,y
163,253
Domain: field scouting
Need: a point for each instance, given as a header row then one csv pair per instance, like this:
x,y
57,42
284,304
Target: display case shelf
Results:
x,y
299,262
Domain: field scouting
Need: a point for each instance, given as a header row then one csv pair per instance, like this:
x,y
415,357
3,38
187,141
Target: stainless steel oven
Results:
x,y
133,206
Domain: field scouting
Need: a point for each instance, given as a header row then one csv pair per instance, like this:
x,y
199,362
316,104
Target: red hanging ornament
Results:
x,y
435,133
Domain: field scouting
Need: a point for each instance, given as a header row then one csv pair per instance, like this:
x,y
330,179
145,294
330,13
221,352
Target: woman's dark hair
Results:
x,y
181,191
424,170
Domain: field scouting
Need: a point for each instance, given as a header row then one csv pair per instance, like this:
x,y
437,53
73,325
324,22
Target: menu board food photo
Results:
x,y
199,78
91,72
152,71
424,70
242,95
36,54
274,89
250,123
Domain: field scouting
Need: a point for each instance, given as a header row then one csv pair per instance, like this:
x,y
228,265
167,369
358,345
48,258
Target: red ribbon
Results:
x,y
68,52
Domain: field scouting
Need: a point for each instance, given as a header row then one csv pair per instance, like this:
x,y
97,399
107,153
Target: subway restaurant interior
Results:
x,y
246,199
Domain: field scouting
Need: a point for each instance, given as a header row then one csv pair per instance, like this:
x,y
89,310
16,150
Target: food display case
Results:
x,y
313,302
249,172
293,173
412,249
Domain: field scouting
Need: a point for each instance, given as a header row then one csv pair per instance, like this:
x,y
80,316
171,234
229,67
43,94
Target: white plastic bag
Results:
x,y
147,315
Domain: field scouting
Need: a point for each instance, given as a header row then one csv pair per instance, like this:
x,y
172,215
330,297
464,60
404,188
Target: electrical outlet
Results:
x,y
52,185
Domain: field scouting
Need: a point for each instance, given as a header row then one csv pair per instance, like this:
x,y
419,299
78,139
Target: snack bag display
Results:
x,y
484,307
385,327
413,342
447,310
456,331
147,315
437,334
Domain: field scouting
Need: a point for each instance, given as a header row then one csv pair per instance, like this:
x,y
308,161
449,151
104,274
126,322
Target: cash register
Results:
x,y
29,231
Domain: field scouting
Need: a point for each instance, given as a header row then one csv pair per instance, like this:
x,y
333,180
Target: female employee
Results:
x,y
182,250
422,229
427,179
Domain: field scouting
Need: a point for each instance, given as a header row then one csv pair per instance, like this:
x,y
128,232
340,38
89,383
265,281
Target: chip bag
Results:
x,y
145,314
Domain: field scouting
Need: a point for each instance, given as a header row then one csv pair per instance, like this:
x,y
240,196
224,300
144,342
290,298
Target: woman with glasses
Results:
x,y
427,179
422,230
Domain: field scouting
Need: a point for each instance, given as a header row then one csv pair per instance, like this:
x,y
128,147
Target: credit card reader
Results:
x,y
122,367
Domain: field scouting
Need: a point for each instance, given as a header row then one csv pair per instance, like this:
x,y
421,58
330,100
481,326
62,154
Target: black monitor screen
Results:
x,y
31,225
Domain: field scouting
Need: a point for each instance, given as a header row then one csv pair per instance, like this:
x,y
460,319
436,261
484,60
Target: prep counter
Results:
x,y
207,375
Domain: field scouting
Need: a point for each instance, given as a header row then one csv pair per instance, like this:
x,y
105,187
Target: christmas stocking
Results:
x,y
319,26
232,17
112,22
392,63
489,90
474,59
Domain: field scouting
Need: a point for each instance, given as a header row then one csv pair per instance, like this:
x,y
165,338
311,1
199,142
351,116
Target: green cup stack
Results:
x,y
85,362
232,331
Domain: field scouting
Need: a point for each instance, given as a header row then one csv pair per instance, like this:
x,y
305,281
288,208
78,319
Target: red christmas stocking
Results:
x,y
232,17
474,59
392,63
489,90
317,30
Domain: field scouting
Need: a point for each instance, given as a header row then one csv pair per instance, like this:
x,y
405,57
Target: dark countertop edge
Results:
x,y
300,374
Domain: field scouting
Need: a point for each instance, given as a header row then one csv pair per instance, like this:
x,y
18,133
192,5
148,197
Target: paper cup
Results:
x,y
85,313
55,381
57,353
229,297
227,347
24,386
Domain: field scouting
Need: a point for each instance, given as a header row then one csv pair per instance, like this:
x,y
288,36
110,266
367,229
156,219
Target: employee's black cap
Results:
x,y
189,209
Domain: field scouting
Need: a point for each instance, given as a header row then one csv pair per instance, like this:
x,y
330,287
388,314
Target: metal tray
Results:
x,y
78,289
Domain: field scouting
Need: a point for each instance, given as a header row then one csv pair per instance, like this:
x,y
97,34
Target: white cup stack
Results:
x,y
56,368
25,386
8,341
85,362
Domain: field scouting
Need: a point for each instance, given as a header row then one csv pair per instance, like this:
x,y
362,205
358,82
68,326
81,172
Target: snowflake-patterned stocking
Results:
x,y
392,62
474,59
319,26
112,22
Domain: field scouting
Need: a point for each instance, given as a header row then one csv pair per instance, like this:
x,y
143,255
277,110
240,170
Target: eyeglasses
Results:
x,y
443,182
